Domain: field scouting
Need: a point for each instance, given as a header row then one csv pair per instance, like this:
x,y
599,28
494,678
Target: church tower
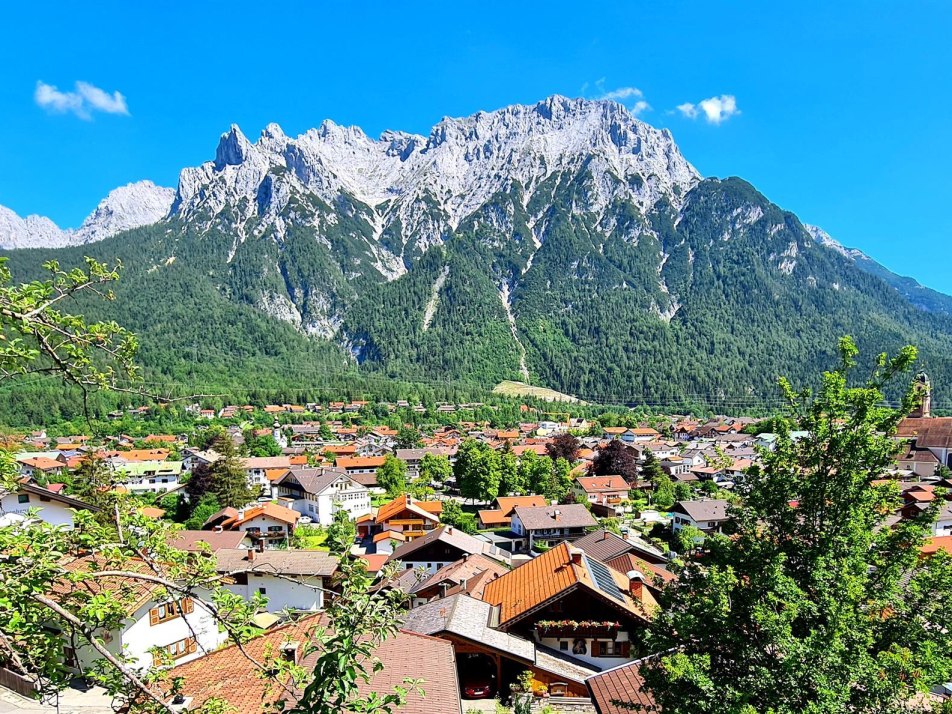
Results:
x,y
925,396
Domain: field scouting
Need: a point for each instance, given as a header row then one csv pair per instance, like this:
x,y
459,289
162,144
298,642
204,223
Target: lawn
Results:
x,y
311,538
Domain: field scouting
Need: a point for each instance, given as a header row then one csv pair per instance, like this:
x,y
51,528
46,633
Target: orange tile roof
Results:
x,y
593,484
361,462
145,454
403,503
375,561
274,474
494,517
934,545
553,573
532,583
42,463
506,504
299,460
271,510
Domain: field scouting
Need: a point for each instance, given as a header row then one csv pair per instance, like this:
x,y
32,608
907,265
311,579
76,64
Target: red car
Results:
x,y
477,678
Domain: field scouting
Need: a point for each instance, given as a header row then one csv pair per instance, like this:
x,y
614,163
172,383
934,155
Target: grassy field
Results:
x,y
510,388
311,538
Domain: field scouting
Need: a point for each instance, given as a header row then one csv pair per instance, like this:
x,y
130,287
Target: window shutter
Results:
x,y
154,616
188,606
192,645
625,649
596,648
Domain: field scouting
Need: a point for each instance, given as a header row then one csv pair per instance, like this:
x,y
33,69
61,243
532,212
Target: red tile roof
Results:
x,y
229,675
621,684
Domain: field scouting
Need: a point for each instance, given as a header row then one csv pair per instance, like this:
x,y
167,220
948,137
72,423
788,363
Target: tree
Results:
x,y
206,507
392,476
510,482
663,493
262,445
477,470
325,432
359,620
651,469
616,459
564,446
562,479
435,468
341,533
133,550
815,604
228,478
408,438
454,515
688,538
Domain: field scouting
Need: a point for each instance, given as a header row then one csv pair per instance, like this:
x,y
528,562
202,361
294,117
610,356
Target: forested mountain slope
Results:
x,y
565,243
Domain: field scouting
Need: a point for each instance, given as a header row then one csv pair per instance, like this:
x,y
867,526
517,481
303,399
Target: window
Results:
x,y
69,657
23,498
171,610
563,645
179,649
275,529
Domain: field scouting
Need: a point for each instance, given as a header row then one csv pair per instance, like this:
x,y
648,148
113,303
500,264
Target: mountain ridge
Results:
x,y
564,243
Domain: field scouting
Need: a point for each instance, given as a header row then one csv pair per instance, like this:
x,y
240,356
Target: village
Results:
x,y
528,558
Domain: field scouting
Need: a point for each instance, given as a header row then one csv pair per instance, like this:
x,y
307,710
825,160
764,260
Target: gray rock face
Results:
x,y
137,204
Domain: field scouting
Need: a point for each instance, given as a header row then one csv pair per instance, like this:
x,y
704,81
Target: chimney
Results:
x,y
636,584
251,555
555,514
449,530
576,556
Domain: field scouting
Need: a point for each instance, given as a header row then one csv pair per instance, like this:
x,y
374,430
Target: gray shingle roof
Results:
x,y
572,515
712,510
281,562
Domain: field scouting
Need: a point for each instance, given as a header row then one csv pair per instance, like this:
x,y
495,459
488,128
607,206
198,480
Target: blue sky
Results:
x,y
843,108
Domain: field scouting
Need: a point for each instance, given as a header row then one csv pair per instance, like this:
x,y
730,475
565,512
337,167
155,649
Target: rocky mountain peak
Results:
x,y
136,204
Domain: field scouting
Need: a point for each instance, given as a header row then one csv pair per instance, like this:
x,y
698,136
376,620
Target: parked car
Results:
x,y
477,677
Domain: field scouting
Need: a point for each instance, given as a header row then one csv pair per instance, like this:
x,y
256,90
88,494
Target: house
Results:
x,y
410,517
319,493
266,524
574,604
604,545
468,624
603,490
42,466
364,468
231,675
51,505
501,515
943,523
257,467
150,476
443,546
290,579
212,541
708,515
927,431
183,627
550,524
621,689
468,574
920,460
413,458
198,457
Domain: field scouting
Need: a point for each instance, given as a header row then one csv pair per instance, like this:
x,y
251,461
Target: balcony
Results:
x,y
577,628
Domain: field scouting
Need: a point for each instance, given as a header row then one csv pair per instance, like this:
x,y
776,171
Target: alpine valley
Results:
x,y
566,244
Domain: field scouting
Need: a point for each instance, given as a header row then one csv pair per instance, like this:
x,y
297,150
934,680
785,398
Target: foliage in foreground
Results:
x,y
815,605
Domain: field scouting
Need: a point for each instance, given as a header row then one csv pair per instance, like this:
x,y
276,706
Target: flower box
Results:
x,y
577,628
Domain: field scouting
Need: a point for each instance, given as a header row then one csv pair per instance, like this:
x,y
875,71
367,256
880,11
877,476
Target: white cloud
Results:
x,y
82,102
714,109
632,97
